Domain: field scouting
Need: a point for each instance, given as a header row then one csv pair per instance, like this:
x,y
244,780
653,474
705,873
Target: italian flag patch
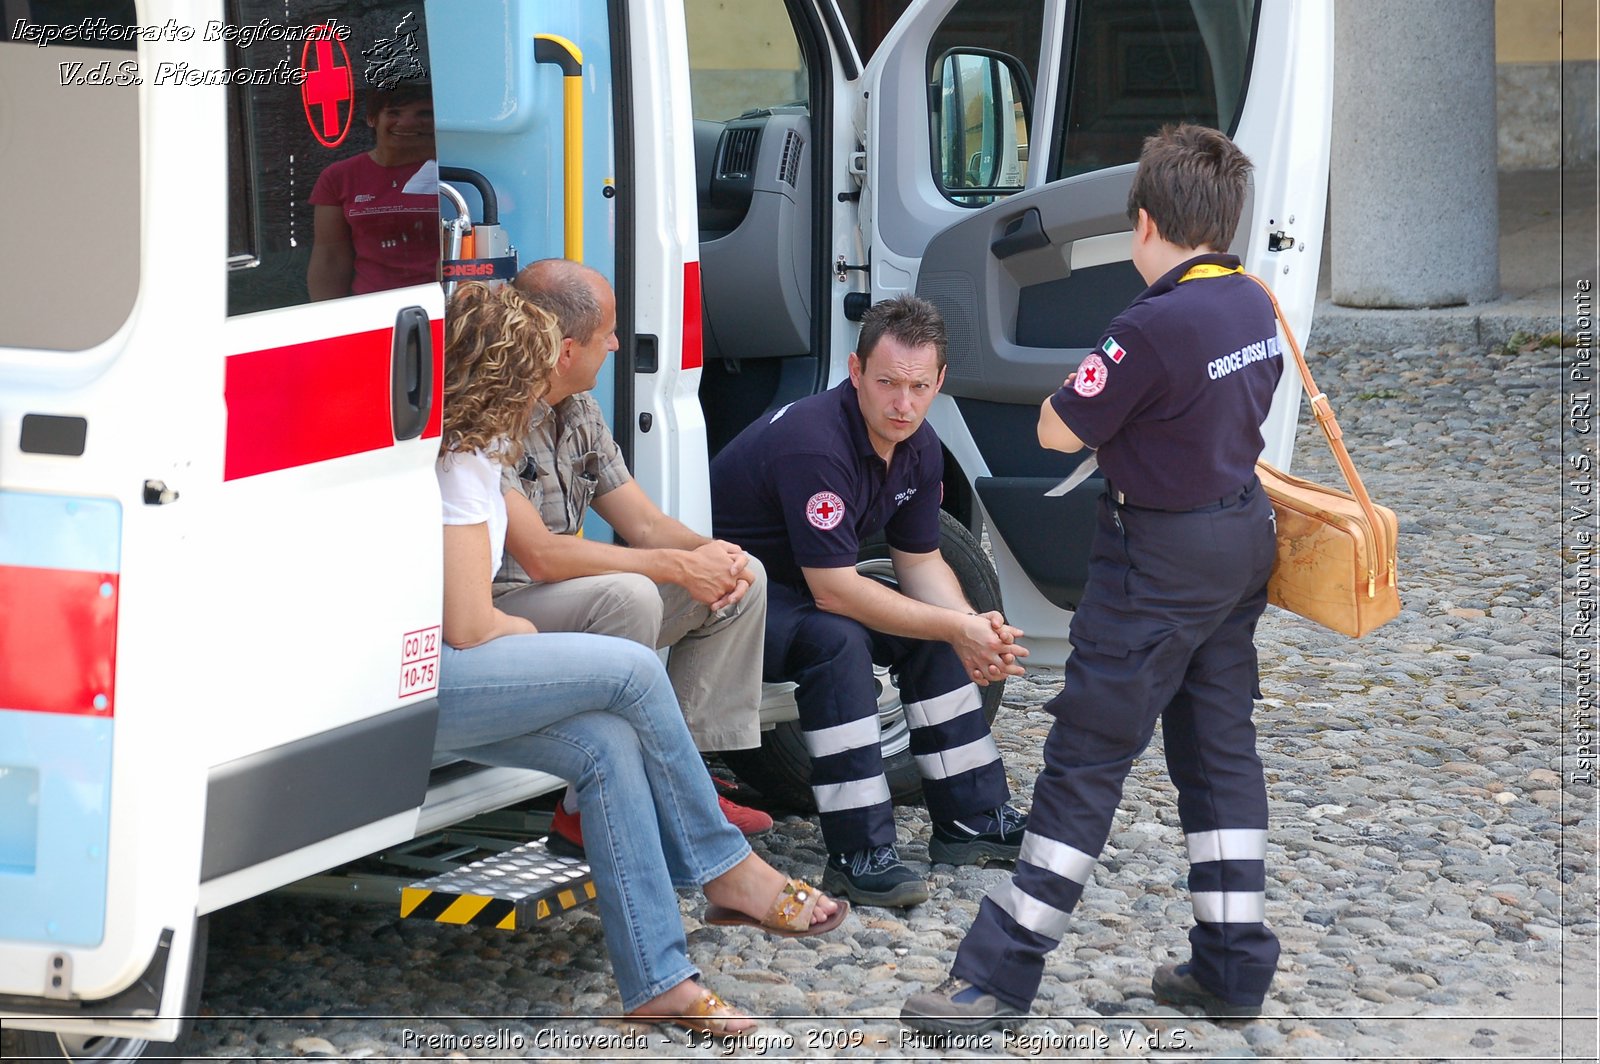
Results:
x,y
1112,350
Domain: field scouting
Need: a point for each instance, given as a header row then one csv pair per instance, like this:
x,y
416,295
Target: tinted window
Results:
x,y
869,21
1139,64
333,181
69,162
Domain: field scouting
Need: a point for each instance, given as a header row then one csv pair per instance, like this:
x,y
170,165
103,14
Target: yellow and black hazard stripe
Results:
x,y
477,910
419,903
558,902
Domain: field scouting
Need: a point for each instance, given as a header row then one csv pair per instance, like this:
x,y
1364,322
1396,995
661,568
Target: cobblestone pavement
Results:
x,y
1431,873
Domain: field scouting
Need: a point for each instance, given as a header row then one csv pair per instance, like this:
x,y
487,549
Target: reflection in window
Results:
x,y
333,186
1140,64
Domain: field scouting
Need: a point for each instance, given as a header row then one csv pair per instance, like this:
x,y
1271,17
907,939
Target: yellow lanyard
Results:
x,y
1209,269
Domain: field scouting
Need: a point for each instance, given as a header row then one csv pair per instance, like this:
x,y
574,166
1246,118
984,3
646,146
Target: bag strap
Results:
x,y
1330,428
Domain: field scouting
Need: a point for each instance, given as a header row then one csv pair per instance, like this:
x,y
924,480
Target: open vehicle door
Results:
x,y
1000,138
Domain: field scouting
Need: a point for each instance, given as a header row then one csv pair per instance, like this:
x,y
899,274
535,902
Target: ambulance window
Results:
x,y
869,21
983,62
1140,64
743,56
69,157
332,176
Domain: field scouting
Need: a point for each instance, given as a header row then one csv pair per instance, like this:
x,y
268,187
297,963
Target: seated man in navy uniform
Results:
x,y
1173,398
800,491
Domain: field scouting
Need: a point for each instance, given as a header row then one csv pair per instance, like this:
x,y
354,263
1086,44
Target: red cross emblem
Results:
x,y
1090,380
329,88
825,510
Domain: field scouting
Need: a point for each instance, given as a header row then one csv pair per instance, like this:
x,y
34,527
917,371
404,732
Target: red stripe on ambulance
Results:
x,y
693,347
60,651
311,402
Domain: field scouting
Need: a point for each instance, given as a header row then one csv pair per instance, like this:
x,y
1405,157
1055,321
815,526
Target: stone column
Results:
x,y
1413,178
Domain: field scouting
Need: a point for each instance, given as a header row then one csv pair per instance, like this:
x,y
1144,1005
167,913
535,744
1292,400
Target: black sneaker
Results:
x,y
874,877
994,835
957,1007
1175,984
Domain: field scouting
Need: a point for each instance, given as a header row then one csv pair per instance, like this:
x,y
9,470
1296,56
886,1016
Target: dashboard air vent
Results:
x,y
738,152
789,166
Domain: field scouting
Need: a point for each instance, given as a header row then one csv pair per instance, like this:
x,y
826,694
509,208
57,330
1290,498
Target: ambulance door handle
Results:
x,y
411,373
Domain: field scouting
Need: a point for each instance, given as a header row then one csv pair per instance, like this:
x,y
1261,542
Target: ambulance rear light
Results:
x,y
693,354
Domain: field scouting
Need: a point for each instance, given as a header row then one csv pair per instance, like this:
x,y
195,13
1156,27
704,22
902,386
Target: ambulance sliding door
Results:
x,y
997,187
329,613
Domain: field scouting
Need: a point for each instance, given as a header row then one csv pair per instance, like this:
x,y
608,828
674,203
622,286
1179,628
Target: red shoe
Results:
x,y
566,833
750,821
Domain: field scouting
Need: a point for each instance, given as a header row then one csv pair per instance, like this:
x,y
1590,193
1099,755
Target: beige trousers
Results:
x,y
714,661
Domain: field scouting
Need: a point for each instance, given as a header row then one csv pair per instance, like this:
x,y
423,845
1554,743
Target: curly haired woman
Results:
x,y
595,710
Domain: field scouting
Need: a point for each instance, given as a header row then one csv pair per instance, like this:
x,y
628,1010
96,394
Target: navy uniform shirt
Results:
x,y
803,487
1174,397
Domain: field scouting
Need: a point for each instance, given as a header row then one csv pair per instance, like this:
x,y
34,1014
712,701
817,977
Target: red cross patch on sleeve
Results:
x,y
824,510
1090,380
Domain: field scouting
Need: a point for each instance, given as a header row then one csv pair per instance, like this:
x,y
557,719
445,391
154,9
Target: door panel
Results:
x,y
334,356
1028,283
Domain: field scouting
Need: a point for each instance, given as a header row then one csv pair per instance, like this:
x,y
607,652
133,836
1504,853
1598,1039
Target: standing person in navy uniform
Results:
x,y
800,491
1173,399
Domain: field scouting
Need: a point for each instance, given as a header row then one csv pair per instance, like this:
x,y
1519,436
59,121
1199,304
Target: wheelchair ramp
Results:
x,y
513,889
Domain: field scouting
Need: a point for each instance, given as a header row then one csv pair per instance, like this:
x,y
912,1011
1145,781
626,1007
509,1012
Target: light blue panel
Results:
x,y
501,114
19,819
60,532
481,84
55,823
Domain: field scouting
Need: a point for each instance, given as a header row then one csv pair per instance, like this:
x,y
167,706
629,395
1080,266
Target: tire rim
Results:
x,y
100,1047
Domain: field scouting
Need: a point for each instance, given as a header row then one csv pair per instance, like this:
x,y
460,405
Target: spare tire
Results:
x,y
781,767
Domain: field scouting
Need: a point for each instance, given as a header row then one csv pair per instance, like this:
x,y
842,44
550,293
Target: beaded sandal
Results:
x,y
709,1014
790,915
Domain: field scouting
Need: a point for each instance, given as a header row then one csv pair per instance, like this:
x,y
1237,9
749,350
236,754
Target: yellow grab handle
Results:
x,y
549,48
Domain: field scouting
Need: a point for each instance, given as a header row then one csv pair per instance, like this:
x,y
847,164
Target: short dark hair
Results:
x,y
566,289
1192,182
403,93
912,321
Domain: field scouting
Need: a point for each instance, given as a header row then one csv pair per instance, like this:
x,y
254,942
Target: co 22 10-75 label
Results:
x,y
419,662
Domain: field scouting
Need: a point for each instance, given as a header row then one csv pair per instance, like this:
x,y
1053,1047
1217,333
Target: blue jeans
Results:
x,y
600,712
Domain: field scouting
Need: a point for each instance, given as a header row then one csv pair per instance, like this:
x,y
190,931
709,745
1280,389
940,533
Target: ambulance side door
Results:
x,y
328,502
1001,140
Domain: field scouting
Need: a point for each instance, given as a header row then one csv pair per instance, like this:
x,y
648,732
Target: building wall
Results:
x,y
1546,52
742,53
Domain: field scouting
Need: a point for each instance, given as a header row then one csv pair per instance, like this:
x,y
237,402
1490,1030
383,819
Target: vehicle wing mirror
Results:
x,y
980,111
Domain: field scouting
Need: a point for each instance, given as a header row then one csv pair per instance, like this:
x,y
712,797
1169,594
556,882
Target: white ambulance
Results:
x,y
219,528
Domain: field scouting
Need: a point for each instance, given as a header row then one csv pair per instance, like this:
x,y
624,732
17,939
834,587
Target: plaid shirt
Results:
x,y
570,460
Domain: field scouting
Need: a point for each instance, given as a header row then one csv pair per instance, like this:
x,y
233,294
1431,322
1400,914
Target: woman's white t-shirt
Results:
x,y
469,483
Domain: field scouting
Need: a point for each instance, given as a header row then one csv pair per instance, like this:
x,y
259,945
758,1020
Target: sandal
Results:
x,y
709,1014
790,915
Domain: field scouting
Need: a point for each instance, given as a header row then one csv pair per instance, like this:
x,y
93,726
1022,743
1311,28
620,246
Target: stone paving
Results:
x,y
1431,873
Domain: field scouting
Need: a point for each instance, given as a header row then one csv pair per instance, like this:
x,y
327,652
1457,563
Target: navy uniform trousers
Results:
x,y
1166,630
830,659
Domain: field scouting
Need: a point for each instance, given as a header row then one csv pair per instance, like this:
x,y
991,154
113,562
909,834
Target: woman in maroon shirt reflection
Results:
x,y
377,214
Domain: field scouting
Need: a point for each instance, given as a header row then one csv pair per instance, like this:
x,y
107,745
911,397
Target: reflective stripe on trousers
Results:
x,y
831,659
1165,631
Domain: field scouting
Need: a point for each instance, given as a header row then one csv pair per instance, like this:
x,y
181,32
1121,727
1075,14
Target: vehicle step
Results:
x,y
509,890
